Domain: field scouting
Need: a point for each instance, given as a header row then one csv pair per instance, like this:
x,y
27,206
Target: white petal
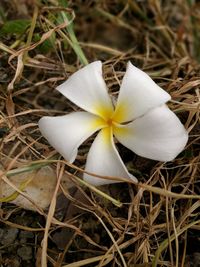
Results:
x,y
67,133
103,159
138,94
158,135
87,89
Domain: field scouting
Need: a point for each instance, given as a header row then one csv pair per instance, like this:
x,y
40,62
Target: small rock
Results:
x,y
8,236
24,235
12,262
25,253
196,259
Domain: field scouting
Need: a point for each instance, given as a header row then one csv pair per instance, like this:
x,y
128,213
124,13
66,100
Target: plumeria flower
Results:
x,y
140,120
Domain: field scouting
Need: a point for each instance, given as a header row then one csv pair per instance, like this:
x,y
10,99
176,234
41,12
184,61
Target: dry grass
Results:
x,y
158,222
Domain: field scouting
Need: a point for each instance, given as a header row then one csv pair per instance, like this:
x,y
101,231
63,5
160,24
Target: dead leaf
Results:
x,y
40,187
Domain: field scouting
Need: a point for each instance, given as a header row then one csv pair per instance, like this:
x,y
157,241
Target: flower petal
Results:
x,y
87,89
66,133
138,94
158,135
103,159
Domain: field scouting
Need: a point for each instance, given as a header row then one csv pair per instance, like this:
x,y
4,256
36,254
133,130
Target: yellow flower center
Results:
x,y
109,122
110,119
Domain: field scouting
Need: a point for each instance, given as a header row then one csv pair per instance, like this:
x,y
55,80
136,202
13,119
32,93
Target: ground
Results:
x,y
154,223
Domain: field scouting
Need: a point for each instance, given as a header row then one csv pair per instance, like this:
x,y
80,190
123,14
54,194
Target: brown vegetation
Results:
x,y
155,223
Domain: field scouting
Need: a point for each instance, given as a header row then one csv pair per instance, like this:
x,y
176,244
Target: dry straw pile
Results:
x,y
45,206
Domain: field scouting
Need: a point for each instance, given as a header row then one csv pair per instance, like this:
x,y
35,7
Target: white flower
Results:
x,y
140,121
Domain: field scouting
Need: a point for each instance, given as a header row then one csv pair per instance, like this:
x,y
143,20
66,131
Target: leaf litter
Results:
x,y
47,212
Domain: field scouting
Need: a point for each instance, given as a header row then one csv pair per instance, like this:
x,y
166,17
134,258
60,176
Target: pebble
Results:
x,y
25,253
24,235
8,236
